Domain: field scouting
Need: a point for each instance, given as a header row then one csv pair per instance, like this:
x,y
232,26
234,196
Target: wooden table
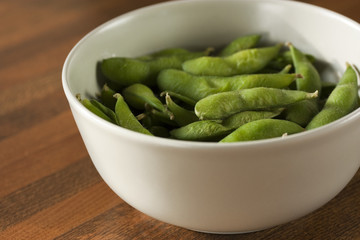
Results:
x,y
49,187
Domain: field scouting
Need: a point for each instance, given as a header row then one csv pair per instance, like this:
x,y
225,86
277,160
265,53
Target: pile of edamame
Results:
x,y
241,92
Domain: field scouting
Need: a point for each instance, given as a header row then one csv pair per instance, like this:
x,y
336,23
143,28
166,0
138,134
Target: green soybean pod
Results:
x,y
197,87
302,112
242,62
286,69
342,100
263,129
87,103
238,119
137,95
107,97
126,118
148,120
166,118
271,80
109,112
310,81
211,130
127,71
205,130
185,84
181,115
241,43
180,97
285,58
223,105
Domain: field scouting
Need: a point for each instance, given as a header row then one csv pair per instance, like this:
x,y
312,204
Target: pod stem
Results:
x,y
141,116
299,75
314,94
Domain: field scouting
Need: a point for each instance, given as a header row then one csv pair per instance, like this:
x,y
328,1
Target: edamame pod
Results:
x,y
241,43
310,81
127,71
342,100
242,62
286,69
137,95
222,105
126,118
239,119
87,103
198,87
206,130
163,117
109,112
182,116
99,109
107,97
180,97
302,112
263,129
285,58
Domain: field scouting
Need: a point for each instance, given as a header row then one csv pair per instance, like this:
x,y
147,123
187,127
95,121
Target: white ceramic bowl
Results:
x,y
212,187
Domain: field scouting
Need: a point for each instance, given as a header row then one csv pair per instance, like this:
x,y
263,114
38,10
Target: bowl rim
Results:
x,y
154,140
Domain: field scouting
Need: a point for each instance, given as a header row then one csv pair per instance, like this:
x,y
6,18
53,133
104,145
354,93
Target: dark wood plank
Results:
x,y
45,192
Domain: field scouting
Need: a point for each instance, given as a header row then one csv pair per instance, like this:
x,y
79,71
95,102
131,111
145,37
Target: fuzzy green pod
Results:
x,y
284,58
342,100
241,43
206,130
242,62
263,129
109,112
223,105
178,96
302,112
127,71
215,130
107,97
197,87
137,95
87,103
239,119
99,109
181,115
126,118
310,81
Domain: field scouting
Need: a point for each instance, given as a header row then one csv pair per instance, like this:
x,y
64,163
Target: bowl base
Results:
x,y
229,232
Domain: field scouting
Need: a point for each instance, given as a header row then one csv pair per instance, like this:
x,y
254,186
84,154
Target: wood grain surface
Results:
x,y
49,188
